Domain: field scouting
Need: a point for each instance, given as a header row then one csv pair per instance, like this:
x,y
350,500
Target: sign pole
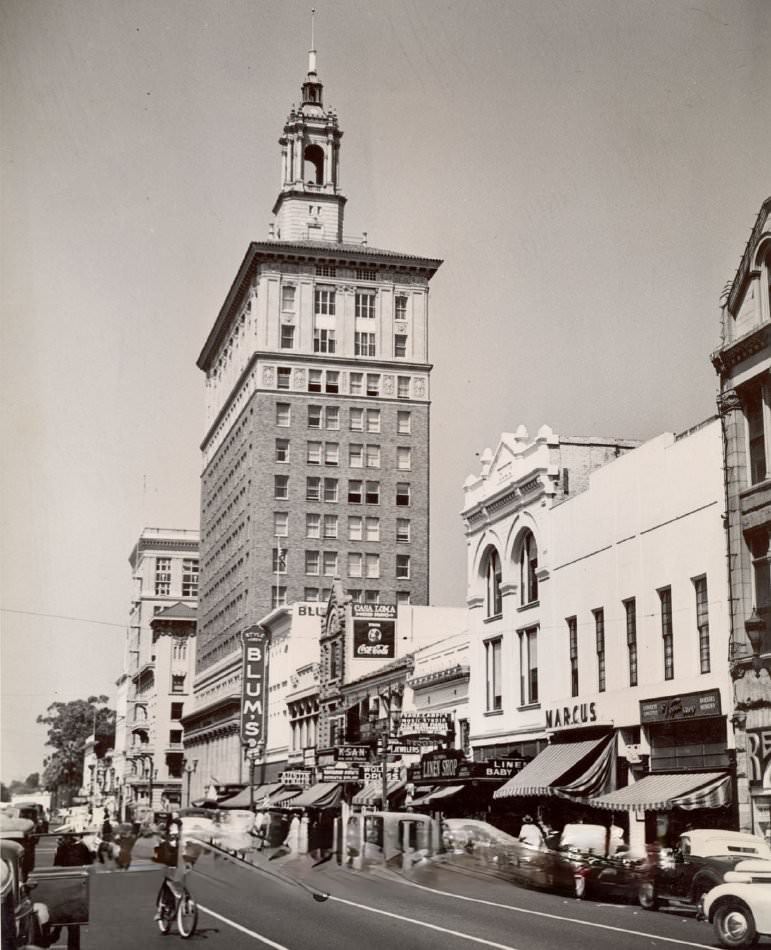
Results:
x,y
384,773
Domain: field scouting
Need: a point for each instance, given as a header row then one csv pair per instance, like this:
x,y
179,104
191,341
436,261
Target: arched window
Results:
x,y
313,169
528,565
494,603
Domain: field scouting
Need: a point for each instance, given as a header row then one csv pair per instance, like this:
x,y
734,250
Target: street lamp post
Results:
x,y
189,769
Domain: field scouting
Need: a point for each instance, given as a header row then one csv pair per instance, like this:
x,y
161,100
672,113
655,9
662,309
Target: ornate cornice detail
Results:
x,y
733,353
753,689
728,401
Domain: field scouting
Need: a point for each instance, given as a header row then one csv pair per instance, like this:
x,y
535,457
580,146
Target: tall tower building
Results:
x,y
316,452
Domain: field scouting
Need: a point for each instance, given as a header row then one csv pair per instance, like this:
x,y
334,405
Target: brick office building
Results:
x,y
315,458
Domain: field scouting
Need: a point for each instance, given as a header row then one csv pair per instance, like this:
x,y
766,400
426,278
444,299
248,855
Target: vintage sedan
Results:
x,y
24,921
740,908
702,858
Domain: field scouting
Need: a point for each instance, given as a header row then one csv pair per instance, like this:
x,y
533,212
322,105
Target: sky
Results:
x,y
588,170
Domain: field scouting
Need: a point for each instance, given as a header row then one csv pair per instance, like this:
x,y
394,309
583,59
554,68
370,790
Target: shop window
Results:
x,y
682,745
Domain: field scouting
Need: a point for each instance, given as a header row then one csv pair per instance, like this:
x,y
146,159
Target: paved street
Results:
x,y
438,906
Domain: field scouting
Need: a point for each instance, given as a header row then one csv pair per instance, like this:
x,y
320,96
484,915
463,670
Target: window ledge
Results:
x,y
493,712
528,707
493,618
530,606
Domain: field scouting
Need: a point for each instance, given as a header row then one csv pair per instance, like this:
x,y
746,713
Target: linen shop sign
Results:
x,y
374,631
253,692
686,706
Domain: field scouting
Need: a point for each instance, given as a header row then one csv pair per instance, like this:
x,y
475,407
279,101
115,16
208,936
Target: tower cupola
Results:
x,y
310,203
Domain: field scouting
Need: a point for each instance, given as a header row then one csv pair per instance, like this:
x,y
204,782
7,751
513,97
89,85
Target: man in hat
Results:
x,y
71,853
530,834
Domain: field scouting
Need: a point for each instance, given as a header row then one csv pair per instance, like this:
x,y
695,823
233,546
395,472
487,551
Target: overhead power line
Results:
x,y
35,613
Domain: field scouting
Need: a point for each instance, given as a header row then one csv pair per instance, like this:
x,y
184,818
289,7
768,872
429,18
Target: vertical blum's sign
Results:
x,y
254,687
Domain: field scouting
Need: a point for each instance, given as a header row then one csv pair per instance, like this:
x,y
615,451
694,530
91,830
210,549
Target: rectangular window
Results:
x,y
356,455
373,384
332,381
331,453
403,422
356,384
402,494
402,597
175,737
279,560
403,530
277,596
281,486
403,458
281,524
313,454
365,305
599,634
330,489
493,674
190,577
355,528
326,270
402,567
312,488
283,414
312,562
403,387
314,417
355,562
373,565
400,344
324,299
312,525
176,710
373,456
287,297
752,400
332,417
284,378
178,682
572,623
372,527
371,596
330,526
665,600
528,666
330,563
311,594
323,340
315,378
355,491
364,345
287,336
357,596
630,606
366,273
373,420
372,495
702,622
357,420
282,450
400,307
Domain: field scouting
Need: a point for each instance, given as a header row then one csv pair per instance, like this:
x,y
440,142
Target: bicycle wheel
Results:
x,y
164,911
187,916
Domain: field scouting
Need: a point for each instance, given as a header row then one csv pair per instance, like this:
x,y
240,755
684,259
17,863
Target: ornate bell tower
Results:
x,y
310,204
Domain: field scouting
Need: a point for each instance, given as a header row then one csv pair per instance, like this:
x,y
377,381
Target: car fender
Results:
x,y
756,896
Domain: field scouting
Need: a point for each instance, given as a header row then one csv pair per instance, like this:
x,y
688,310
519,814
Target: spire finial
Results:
x,y
312,50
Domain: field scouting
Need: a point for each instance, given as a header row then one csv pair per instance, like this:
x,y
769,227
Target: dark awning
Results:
x,y
549,771
445,791
372,793
261,796
320,795
661,792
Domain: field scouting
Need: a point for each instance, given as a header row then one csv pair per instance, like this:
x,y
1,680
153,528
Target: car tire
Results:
x,y
734,924
646,896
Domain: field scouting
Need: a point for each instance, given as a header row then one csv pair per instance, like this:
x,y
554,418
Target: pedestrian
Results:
x,y
106,839
125,841
71,853
530,834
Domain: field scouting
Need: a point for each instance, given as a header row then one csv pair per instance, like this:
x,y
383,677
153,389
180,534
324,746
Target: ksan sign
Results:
x,y
253,687
353,753
374,631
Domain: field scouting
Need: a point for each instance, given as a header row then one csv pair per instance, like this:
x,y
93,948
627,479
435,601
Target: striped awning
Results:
x,y
372,793
444,791
661,792
245,797
320,795
545,775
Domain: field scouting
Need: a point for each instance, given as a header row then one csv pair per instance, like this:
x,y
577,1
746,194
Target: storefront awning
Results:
x,y
445,791
263,796
545,775
320,795
670,790
372,793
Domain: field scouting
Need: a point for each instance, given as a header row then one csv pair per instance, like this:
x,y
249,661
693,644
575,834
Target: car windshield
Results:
x,y
477,832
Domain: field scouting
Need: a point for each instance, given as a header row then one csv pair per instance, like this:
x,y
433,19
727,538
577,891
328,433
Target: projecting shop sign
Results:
x,y
374,631
253,687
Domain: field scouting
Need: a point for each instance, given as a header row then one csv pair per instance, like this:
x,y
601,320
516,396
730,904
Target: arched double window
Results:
x,y
528,567
493,603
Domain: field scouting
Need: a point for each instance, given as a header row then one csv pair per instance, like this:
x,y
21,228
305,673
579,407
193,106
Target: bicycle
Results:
x,y
175,901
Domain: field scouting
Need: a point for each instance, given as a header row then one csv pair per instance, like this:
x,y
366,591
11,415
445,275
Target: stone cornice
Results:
x,y
739,350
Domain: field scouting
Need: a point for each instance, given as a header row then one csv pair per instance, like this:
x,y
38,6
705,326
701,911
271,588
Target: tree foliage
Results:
x,y
69,725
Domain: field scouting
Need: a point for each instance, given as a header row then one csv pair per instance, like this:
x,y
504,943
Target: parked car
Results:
x,y
34,812
23,922
699,862
740,908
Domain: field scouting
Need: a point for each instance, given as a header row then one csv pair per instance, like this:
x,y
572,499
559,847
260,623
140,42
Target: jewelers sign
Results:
x,y
374,627
253,687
